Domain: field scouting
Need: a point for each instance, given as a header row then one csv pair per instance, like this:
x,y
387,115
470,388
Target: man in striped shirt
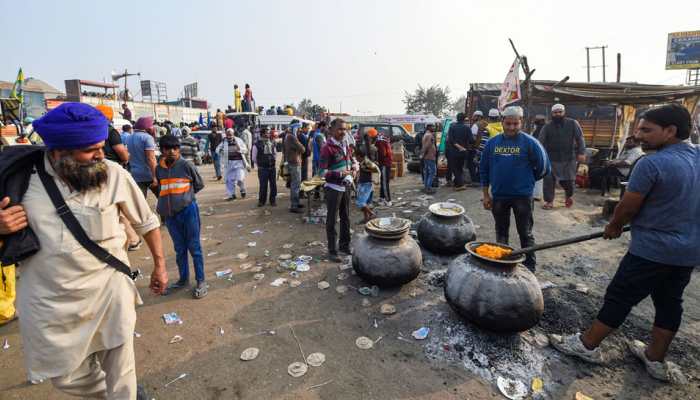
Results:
x,y
335,167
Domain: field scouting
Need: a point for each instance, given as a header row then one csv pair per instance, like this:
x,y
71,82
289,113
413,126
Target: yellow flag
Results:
x,y
16,92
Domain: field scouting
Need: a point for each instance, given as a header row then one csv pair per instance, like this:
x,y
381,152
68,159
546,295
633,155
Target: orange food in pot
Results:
x,y
491,251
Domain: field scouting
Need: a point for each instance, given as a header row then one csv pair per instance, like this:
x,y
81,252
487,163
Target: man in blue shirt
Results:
x,y
142,155
662,203
510,164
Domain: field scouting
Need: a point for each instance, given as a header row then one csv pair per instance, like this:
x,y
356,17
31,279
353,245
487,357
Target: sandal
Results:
x,y
547,206
201,290
569,202
173,287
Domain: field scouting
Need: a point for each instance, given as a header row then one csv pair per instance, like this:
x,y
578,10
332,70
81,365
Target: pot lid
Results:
x,y
445,209
390,227
471,248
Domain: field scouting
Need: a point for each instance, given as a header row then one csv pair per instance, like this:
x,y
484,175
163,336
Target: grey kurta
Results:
x,y
70,304
563,142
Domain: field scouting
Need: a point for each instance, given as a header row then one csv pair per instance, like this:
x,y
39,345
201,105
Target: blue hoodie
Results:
x,y
512,165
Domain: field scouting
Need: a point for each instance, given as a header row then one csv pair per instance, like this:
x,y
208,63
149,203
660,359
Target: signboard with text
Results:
x,y
683,50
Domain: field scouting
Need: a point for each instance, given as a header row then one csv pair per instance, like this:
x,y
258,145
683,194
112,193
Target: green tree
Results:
x,y
459,105
310,110
433,100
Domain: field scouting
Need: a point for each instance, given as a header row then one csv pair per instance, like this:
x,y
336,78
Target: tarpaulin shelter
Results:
x,y
606,111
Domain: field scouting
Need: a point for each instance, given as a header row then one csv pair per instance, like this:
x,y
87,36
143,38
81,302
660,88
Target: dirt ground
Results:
x,y
456,361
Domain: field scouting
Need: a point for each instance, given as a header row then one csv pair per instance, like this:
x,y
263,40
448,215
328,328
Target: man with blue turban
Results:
x,y
78,313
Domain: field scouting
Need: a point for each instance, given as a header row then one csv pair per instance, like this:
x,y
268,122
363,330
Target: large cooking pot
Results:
x,y
496,295
444,229
386,256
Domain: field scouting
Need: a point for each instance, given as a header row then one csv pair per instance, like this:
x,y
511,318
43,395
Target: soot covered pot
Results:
x,y
444,229
497,295
386,256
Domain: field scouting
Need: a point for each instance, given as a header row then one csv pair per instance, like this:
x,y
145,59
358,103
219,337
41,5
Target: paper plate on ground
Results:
x,y
512,389
323,285
387,309
297,369
316,359
364,343
250,354
242,256
445,209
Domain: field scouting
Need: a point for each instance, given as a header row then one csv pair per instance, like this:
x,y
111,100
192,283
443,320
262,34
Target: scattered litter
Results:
x,y
537,385
345,266
175,339
172,319
367,291
239,226
305,259
288,245
364,343
297,369
375,324
257,269
421,333
387,309
246,266
366,303
285,257
221,331
294,274
302,267
581,396
407,211
249,354
512,389
547,284
137,335
341,289
323,285
451,200
259,277
278,282
294,283
175,380
342,276
257,232
316,243
5,344
242,256
320,384
581,288
316,359
210,226
266,212
252,244
225,273
267,253
416,204
212,254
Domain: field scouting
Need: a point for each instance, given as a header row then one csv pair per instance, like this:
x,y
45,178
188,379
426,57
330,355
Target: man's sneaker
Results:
x,y
300,205
346,251
260,204
273,204
173,287
333,257
243,195
460,188
573,346
230,198
664,371
200,290
296,210
135,246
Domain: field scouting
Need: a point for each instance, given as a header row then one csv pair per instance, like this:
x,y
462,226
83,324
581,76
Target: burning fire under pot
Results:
x,y
445,229
386,255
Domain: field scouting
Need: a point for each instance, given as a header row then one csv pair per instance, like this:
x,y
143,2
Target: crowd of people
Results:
x,y
104,177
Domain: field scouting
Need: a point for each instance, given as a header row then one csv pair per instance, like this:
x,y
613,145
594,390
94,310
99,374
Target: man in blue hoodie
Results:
x,y
510,164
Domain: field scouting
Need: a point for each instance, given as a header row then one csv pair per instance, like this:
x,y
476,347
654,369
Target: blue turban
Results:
x,y
72,126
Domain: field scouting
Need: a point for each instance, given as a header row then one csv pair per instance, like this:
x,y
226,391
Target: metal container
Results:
x,y
445,229
497,295
386,256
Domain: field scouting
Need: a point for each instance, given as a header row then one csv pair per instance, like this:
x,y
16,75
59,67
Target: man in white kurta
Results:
x,y
232,156
77,314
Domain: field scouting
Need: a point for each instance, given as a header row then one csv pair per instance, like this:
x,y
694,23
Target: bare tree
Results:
x,y
434,100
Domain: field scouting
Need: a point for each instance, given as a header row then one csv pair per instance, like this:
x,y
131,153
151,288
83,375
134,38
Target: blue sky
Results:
x,y
359,55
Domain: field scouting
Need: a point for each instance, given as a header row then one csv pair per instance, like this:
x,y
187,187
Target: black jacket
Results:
x,y
16,167
460,133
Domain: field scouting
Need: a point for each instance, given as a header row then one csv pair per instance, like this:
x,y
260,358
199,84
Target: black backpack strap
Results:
x,y
74,226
